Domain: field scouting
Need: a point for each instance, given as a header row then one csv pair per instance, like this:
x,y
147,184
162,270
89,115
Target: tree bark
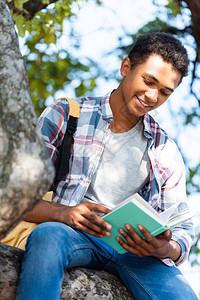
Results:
x,y
194,6
79,283
25,169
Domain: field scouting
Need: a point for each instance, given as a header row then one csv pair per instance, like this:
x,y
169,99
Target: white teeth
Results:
x,y
143,103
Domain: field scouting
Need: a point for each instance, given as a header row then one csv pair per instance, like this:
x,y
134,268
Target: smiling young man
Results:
x,y
118,150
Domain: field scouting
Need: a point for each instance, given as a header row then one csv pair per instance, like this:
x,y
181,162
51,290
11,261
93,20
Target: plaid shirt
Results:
x,y
167,170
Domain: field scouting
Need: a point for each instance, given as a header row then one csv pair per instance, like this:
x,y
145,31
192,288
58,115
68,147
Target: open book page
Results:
x,y
165,215
180,218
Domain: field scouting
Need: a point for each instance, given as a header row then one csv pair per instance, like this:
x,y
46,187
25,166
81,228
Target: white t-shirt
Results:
x,y
123,168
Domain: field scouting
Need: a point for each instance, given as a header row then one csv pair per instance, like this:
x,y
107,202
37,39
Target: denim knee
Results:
x,y
49,237
47,232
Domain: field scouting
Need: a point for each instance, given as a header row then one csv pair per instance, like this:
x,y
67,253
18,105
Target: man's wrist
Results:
x,y
175,250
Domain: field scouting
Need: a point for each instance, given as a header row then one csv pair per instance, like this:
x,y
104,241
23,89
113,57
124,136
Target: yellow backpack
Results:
x,y
17,237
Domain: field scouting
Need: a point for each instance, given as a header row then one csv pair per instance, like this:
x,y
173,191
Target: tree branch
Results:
x,y
30,8
195,63
194,7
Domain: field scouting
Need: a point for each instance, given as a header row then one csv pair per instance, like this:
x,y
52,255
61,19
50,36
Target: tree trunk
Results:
x,y
25,169
194,6
79,283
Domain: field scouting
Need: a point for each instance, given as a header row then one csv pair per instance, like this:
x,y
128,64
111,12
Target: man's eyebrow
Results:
x,y
155,79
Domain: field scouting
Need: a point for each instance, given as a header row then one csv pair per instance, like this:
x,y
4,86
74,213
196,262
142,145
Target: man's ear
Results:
x,y
125,66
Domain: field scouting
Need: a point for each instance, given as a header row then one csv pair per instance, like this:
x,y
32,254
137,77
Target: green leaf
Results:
x,y
45,1
19,4
173,8
21,31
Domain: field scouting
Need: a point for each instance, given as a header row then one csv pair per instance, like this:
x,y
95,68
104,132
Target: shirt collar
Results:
x,y
149,126
106,109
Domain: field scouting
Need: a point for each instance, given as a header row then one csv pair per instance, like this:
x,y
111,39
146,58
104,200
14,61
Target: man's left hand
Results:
x,y
159,246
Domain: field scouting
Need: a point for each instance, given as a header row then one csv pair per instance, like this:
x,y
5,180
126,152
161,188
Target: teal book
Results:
x,y
134,211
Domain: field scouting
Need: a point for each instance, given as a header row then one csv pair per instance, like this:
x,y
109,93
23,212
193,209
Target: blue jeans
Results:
x,y
52,247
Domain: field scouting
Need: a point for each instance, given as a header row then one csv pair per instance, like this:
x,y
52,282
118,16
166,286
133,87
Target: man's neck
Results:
x,y
122,119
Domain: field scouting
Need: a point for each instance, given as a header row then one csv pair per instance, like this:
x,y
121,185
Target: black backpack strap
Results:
x,y
62,160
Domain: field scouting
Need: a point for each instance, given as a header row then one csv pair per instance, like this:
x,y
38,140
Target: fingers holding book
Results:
x,y
150,246
83,217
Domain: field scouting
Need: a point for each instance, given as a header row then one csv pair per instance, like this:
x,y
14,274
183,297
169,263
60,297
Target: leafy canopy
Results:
x,y
50,68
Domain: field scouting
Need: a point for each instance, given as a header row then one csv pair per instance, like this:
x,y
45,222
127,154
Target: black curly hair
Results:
x,y
167,46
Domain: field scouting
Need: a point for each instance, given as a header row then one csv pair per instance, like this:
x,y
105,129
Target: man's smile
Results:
x,y
143,103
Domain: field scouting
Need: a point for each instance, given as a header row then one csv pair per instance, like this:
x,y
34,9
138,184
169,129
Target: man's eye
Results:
x,y
147,81
165,94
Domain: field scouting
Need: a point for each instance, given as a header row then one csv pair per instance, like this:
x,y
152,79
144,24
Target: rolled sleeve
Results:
x,y
184,240
174,191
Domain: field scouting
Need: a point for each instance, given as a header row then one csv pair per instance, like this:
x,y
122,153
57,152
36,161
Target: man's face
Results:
x,y
148,85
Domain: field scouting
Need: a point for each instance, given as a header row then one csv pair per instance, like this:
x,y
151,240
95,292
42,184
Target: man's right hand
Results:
x,y
83,216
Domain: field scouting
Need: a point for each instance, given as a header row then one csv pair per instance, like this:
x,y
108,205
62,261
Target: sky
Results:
x,y
98,29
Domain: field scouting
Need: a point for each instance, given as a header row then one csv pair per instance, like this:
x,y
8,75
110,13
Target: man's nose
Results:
x,y
152,95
